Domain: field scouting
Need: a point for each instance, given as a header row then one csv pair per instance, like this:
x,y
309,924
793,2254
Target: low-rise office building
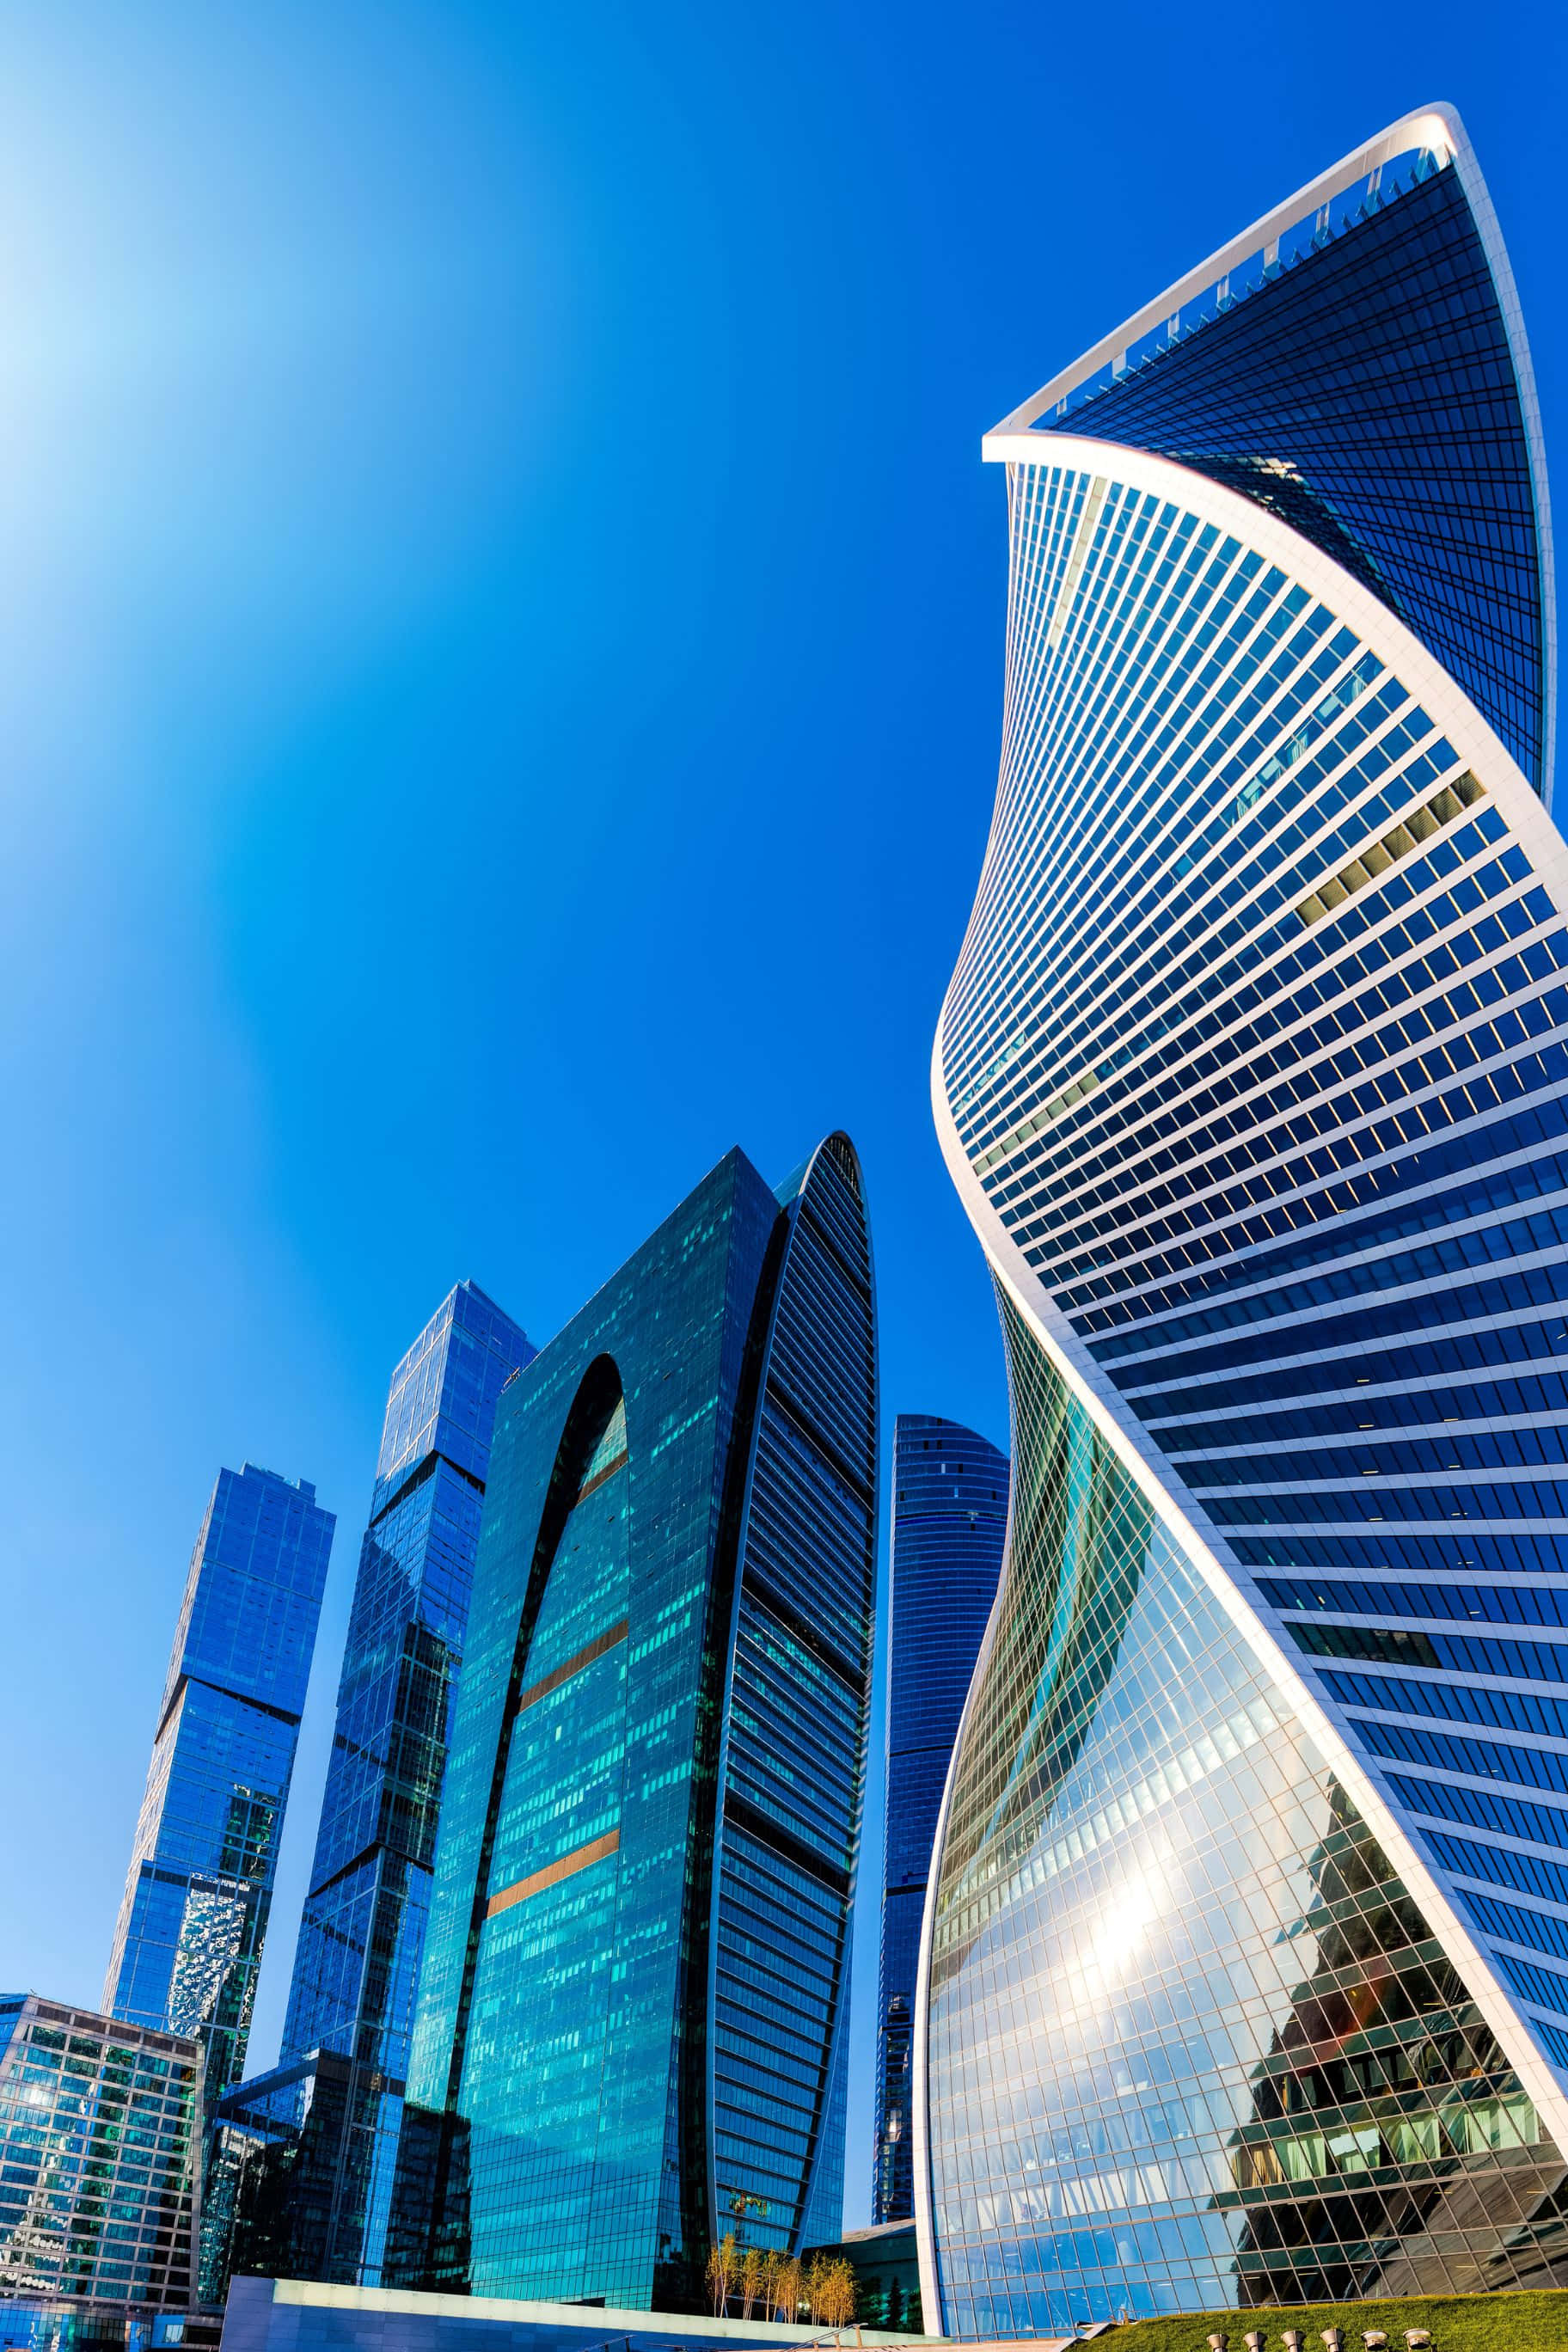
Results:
x,y
98,2135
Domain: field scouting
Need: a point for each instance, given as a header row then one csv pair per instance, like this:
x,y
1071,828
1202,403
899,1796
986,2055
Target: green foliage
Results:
x,y
1530,2322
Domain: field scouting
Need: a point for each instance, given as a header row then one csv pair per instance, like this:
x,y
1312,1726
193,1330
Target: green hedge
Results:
x,y
1533,2322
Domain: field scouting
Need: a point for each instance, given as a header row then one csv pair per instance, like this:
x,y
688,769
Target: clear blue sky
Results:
x,y
502,634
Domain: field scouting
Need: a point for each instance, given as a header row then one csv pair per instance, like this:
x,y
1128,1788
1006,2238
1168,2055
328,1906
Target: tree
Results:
x,y
788,2286
720,2274
831,2286
753,2278
818,2292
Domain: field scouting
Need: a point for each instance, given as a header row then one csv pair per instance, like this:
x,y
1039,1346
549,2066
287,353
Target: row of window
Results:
x,y
1485,987
1429,1264
1538,1662
1495,1604
1378,1455
1177,1169
1502,1710
1471,1302
1198,1198
1375,1411
1535,1018
1175,807
1445,859
1481,1809
1302,1507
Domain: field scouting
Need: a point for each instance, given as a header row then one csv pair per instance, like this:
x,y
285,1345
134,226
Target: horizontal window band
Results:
x,y
825,1652
554,1873
426,1468
573,1664
1421,824
367,1854
782,1841
601,1478
809,1216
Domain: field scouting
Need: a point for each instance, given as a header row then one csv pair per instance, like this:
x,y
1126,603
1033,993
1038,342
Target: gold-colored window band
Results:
x,y
571,1665
552,1874
1379,856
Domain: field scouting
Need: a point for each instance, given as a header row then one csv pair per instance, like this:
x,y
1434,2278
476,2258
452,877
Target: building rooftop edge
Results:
x,y
1437,127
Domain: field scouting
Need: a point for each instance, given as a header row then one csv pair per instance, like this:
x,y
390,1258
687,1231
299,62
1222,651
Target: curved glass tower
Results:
x,y
1246,1973
631,2030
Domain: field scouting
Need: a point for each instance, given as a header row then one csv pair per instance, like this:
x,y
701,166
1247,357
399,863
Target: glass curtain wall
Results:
x,y
1253,1076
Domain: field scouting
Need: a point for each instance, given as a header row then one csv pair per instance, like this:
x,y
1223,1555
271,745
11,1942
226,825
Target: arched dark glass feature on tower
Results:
x,y
632,2021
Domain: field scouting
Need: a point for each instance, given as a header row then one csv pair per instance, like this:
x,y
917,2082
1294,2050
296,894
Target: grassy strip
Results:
x,y
1528,2322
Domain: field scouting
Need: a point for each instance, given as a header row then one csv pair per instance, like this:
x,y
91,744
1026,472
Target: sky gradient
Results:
x,y
504,629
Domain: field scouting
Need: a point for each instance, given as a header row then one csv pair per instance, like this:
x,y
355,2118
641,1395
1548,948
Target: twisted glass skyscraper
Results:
x,y
1248,1966
949,1514
631,2033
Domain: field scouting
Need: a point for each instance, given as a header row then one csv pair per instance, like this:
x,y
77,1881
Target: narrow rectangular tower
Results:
x,y
950,1518
187,1944
307,2152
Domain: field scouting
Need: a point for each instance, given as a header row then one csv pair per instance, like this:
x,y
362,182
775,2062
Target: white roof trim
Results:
x,y
1437,128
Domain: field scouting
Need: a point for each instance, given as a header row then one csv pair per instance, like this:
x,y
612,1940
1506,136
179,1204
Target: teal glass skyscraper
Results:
x,y
187,1944
631,2026
307,2152
1248,1947
950,1514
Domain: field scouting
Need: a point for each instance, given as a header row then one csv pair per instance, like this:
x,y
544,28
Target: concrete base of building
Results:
x,y
298,2315
77,2323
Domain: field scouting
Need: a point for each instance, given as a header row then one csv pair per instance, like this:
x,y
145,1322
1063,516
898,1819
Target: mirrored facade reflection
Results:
x,y
631,2033
187,1944
949,1519
1192,2043
1246,1978
301,2181
100,2124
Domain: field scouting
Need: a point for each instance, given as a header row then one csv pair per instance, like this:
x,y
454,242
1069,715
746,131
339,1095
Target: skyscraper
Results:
x,y
321,2140
950,1514
187,1944
631,2028
1248,1972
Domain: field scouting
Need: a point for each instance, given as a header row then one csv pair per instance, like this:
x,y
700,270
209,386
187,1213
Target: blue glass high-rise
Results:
x,y
631,2031
1247,1975
187,1944
308,2151
950,1516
